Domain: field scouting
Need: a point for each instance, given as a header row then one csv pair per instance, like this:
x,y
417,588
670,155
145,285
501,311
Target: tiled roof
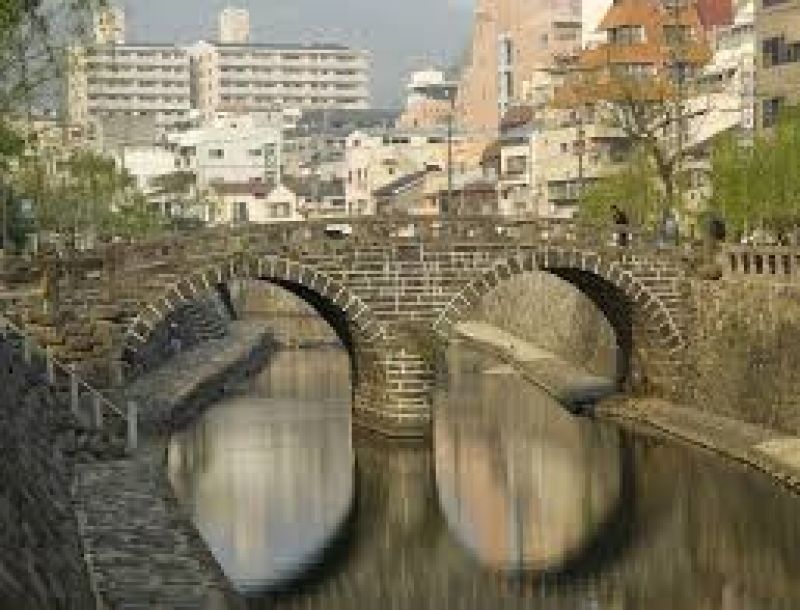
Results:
x,y
401,184
516,116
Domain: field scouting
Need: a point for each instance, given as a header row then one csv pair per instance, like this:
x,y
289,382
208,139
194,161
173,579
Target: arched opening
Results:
x,y
639,324
349,319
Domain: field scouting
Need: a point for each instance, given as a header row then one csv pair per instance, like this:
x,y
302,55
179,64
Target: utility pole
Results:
x,y
679,67
581,144
451,93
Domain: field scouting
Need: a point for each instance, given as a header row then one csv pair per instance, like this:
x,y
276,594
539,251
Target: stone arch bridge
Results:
x,y
391,289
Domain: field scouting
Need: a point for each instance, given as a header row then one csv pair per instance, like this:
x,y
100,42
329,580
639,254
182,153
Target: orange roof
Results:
x,y
629,12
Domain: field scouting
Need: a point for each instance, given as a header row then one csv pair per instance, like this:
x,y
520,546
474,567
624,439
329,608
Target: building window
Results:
x,y
255,152
240,213
769,110
216,153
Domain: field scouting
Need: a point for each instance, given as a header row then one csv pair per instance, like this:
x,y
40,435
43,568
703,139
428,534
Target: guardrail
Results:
x,y
83,398
775,262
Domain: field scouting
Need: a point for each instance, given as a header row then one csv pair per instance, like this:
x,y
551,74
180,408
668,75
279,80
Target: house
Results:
x,y
252,202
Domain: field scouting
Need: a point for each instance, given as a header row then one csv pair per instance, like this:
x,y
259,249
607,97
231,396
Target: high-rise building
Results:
x,y
778,64
269,77
109,80
109,25
116,81
511,40
234,26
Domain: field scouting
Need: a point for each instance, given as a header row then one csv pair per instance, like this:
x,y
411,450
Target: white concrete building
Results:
x,y
114,81
732,69
234,26
241,203
110,79
145,164
269,77
235,149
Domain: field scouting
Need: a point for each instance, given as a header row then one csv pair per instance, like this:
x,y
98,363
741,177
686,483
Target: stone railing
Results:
x,y
153,253
86,402
781,263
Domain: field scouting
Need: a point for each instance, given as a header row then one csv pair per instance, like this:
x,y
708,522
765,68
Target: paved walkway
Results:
x,y
142,549
566,382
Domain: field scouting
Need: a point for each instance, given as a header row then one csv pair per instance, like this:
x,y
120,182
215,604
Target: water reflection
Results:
x,y
522,483
269,474
519,505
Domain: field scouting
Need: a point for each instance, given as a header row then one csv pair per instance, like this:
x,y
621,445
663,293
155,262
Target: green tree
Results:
x,y
634,189
33,39
756,184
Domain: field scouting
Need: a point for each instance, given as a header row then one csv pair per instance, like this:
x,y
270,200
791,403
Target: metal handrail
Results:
x,y
100,403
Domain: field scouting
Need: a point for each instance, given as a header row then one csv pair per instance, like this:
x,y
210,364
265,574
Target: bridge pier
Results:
x,y
392,393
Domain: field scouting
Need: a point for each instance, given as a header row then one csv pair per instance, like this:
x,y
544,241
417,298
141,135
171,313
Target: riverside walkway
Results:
x,y
142,550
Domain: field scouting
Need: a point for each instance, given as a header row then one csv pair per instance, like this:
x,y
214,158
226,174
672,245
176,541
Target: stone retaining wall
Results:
x,y
173,395
744,340
41,557
189,324
744,353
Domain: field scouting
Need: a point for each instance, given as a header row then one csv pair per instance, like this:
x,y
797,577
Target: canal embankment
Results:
x,y
143,550
773,452
767,449
571,385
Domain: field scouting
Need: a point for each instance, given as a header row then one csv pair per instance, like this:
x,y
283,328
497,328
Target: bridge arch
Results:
x,y
638,301
347,314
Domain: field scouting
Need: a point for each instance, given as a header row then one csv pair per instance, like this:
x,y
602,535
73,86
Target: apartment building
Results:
x,y
315,146
110,79
778,65
378,158
229,150
511,40
265,77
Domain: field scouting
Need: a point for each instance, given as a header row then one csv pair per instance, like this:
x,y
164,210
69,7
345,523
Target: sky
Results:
x,y
391,30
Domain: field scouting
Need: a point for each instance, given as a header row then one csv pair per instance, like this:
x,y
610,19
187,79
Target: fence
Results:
x,y
87,403
774,262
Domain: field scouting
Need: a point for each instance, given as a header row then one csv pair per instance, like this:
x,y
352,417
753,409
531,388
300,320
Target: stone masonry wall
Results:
x,y
554,315
41,556
744,353
190,324
743,357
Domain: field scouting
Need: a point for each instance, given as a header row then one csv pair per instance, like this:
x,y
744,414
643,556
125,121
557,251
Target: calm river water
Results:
x,y
517,505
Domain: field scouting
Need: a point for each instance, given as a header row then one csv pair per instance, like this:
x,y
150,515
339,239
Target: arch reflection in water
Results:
x,y
269,476
522,484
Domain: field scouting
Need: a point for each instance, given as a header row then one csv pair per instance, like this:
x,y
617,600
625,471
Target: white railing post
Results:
x,y
50,365
74,390
133,426
97,403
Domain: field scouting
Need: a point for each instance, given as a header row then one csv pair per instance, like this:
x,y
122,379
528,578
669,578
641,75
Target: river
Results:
x,y
518,504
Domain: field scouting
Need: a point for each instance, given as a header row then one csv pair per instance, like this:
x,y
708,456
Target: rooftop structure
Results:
x,y
234,26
